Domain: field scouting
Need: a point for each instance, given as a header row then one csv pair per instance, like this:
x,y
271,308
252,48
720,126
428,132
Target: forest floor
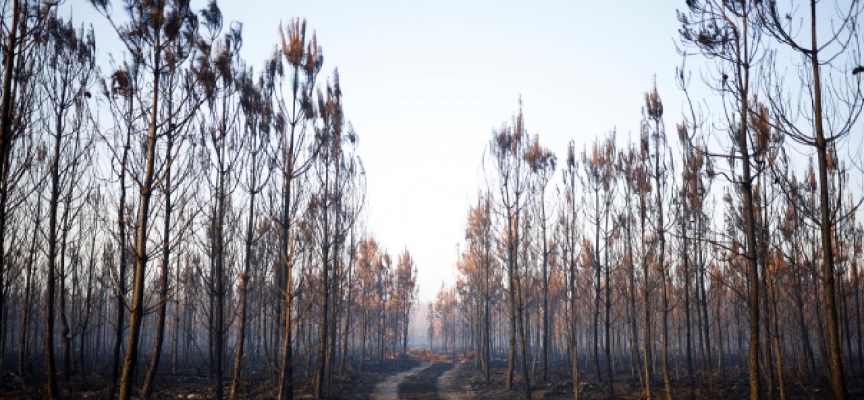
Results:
x,y
424,376
469,383
192,382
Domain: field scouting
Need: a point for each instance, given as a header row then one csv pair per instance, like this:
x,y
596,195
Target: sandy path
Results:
x,y
447,388
389,389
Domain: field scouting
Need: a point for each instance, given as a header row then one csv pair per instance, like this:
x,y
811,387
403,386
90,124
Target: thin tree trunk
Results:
x,y
347,330
574,320
835,359
91,265
121,236
486,349
65,330
53,205
646,290
146,192
635,361
163,278
325,293
704,301
522,330
244,288
857,293
511,282
597,267
7,109
661,260
545,286
28,285
746,184
778,349
686,264
286,373
218,329
176,333
610,387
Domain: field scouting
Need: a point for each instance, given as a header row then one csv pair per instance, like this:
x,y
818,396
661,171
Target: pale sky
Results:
x,y
424,83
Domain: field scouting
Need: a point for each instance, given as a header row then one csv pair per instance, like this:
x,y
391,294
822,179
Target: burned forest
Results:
x,y
181,220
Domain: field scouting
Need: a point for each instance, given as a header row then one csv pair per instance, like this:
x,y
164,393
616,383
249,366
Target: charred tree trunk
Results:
x,y
631,269
546,333
511,291
571,261
324,326
176,331
245,280
7,110
521,319
685,255
28,285
597,271
121,279
486,348
646,298
347,330
53,241
607,323
835,353
146,191
163,278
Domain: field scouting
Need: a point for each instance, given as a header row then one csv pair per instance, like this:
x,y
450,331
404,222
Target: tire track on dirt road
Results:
x,y
447,388
389,388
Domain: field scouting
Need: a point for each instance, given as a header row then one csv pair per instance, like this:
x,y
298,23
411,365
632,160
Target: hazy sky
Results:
x,y
425,83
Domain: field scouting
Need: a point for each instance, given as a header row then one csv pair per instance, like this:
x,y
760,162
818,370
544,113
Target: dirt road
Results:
x,y
447,387
428,381
389,389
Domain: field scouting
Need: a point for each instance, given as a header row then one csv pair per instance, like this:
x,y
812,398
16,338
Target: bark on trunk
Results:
x,y
835,357
244,287
163,280
7,106
146,191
